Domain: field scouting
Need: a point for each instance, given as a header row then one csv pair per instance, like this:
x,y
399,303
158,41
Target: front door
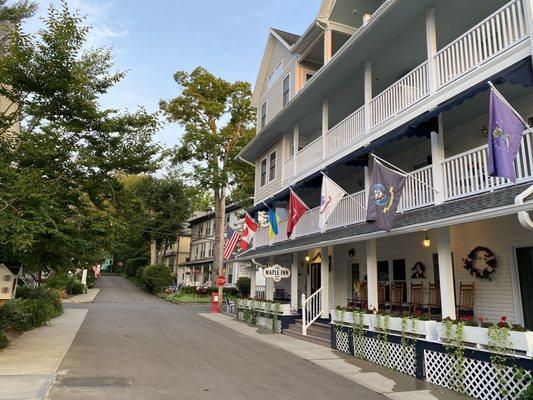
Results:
x,y
315,277
524,261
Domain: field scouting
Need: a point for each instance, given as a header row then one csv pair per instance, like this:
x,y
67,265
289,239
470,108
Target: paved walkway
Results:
x,y
29,363
83,298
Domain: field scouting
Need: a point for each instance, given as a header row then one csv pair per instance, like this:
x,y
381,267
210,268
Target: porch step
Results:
x,y
318,333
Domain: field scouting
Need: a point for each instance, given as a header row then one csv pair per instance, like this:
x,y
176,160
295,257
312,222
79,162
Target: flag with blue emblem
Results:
x,y
506,128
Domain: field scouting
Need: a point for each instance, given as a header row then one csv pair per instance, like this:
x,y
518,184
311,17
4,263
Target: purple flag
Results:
x,y
385,193
505,135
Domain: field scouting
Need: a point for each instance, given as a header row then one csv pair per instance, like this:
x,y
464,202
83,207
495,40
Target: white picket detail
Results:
x,y
311,309
310,155
418,190
498,32
350,210
288,169
467,173
308,224
346,131
400,95
260,292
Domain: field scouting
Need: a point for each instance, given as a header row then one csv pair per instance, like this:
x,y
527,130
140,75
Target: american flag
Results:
x,y
232,237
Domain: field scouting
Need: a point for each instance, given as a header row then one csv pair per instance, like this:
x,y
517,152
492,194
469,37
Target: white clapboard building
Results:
x,y
406,81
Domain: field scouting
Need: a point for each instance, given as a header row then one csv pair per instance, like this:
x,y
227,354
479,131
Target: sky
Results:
x,y
153,39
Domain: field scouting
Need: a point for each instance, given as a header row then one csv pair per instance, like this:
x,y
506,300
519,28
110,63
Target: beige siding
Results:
x,y
271,187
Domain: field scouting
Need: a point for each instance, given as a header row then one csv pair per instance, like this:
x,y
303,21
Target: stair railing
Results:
x,y
311,309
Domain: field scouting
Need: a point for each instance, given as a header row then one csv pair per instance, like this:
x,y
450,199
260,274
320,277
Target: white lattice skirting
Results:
x,y
263,321
342,341
480,379
391,355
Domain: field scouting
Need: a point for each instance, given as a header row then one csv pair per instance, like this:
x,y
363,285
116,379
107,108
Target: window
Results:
x,y
263,172
7,278
5,290
263,114
286,90
201,230
383,271
208,230
272,167
274,75
230,274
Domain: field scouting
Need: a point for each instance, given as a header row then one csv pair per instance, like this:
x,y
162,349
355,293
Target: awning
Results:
x,y
520,73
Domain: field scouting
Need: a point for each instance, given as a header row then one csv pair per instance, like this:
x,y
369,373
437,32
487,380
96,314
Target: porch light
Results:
x,y
426,242
307,258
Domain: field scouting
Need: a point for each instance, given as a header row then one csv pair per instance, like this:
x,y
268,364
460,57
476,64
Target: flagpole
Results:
x,y
509,105
406,174
298,197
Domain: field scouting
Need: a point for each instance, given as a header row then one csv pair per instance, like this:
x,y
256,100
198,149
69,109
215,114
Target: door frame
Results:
x,y
515,279
351,261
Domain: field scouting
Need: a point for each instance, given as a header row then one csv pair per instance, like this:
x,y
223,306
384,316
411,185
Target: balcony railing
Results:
x,y
499,31
350,210
495,34
418,191
310,155
400,95
288,169
467,173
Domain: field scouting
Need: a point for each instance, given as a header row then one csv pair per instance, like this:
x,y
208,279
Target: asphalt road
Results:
x,y
135,346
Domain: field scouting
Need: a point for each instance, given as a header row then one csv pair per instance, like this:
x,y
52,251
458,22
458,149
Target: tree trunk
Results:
x,y
218,251
153,251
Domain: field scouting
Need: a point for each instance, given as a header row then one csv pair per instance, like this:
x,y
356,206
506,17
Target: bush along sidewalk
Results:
x,y
30,309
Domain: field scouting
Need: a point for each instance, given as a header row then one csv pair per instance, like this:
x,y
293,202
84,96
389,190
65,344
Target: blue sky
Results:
x,y
153,39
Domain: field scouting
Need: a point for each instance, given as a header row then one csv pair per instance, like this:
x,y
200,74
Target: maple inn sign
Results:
x,y
276,272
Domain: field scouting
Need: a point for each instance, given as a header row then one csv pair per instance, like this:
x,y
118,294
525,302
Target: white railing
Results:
x,y
282,232
499,31
309,155
261,237
467,173
418,190
308,224
346,131
288,169
350,210
260,292
274,95
400,95
311,309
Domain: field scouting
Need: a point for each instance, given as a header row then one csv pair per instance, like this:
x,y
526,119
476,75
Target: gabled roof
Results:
x,y
14,267
286,39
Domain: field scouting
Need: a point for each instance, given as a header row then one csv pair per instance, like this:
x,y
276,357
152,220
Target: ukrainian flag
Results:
x,y
273,220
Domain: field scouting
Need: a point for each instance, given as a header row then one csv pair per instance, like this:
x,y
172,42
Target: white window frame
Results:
x,y
271,177
288,79
263,117
261,183
275,74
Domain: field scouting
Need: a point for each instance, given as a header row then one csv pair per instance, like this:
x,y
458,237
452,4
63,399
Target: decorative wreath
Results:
x,y
418,271
481,262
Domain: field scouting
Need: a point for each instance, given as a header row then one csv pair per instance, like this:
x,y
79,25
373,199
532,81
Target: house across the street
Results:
x,y
9,276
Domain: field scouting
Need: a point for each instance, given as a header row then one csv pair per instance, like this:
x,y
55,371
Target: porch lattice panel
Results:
x,y
266,322
388,354
342,341
480,378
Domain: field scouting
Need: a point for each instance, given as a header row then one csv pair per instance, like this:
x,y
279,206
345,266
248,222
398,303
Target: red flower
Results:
x,y
503,319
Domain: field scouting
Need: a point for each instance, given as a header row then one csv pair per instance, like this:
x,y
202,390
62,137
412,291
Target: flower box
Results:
x,y
522,341
368,319
285,309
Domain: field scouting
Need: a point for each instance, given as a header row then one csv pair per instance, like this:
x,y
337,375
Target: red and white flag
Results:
x,y
247,234
232,237
297,208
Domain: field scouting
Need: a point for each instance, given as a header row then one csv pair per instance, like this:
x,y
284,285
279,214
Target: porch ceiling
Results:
x,y
463,210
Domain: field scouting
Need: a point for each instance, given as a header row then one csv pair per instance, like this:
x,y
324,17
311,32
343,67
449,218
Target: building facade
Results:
x,y
406,81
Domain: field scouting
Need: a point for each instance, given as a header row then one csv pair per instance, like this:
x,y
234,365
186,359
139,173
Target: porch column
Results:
x,y
324,280
528,8
447,291
269,283
431,45
328,47
372,274
253,281
325,124
295,144
368,94
437,157
294,281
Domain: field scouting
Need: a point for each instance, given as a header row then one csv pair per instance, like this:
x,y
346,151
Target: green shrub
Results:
x,y
51,296
16,314
139,273
181,298
91,278
59,281
132,264
243,286
527,394
75,288
156,278
4,341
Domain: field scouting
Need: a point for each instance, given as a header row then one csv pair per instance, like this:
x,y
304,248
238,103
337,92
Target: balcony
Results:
x,y
464,174
491,38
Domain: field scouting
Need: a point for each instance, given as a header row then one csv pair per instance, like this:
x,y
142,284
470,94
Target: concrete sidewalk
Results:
x,y
391,384
83,298
30,362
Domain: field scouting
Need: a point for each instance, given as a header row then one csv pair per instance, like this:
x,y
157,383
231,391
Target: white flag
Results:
x,y
330,196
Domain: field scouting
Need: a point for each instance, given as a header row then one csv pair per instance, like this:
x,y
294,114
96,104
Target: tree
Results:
x,y
60,170
218,121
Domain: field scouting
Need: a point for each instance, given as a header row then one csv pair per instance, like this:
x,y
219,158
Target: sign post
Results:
x,y
220,281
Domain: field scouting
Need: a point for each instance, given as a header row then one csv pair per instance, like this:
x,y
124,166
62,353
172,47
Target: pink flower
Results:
x,y
503,319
